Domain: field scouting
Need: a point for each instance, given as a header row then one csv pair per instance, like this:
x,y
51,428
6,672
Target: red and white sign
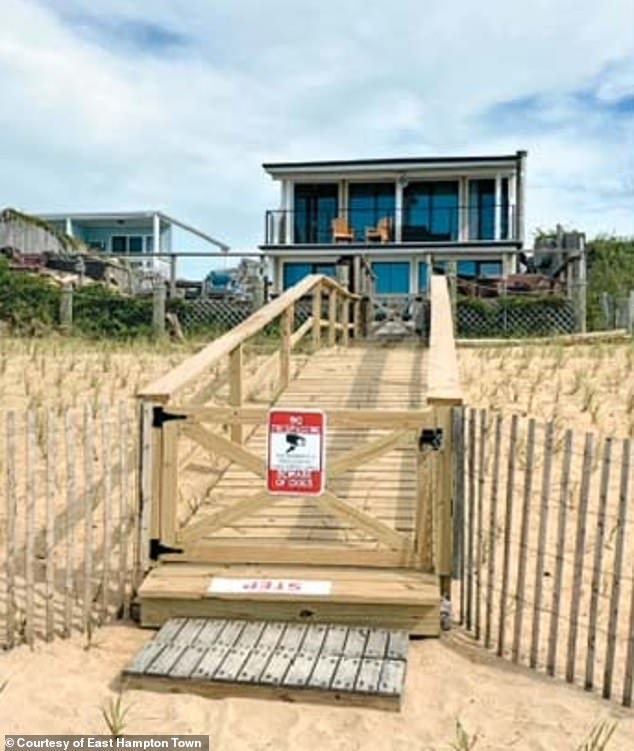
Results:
x,y
295,452
238,586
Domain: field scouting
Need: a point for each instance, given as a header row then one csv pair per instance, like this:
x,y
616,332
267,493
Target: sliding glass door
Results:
x,y
316,205
430,211
369,203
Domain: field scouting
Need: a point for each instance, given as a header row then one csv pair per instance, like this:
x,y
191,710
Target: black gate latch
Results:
x,y
430,437
157,548
160,416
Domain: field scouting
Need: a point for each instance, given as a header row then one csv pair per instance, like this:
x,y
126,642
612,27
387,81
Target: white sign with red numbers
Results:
x,y
295,452
238,586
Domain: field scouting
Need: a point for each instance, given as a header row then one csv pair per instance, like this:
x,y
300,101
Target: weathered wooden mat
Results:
x,y
297,662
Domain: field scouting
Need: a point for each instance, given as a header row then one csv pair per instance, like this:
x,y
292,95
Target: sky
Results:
x,y
117,105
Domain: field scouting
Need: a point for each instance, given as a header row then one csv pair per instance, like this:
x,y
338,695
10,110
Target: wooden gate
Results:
x,y
225,442
229,524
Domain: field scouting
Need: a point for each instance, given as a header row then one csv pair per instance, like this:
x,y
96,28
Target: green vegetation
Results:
x,y
611,270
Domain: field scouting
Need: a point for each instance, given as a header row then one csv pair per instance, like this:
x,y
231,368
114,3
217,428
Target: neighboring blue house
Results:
x,y
139,235
400,216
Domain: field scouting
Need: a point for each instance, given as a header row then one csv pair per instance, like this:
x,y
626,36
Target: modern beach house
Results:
x,y
398,217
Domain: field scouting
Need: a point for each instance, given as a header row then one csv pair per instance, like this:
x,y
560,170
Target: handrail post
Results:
x,y
236,396
285,352
345,316
332,317
356,318
316,317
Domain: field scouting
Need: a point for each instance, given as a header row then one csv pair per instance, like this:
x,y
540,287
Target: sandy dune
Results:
x,y
59,689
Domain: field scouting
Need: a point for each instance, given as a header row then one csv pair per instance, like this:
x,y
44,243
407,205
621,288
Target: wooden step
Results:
x,y
296,662
382,598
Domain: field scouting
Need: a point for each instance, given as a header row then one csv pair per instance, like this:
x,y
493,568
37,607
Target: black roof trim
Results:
x,y
392,160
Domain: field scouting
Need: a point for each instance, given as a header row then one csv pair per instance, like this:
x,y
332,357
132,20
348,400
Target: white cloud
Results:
x,y
92,121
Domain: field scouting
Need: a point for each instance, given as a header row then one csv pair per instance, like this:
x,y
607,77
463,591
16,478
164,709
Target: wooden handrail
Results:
x,y
165,387
443,378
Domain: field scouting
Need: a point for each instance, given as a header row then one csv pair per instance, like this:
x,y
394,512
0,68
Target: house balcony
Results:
x,y
409,227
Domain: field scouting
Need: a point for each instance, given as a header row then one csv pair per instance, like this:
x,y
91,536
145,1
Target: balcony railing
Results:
x,y
411,225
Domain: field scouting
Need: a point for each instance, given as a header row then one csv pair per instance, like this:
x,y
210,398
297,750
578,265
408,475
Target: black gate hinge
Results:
x,y
157,548
160,416
430,437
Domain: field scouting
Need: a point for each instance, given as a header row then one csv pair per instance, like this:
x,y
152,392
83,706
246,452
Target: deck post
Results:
x,y
345,316
424,532
285,352
444,494
332,317
236,362
356,317
316,317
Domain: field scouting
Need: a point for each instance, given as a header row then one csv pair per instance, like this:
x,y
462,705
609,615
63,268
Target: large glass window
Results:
x,y
392,277
367,204
482,209
430,211
316,206
127,244
295,271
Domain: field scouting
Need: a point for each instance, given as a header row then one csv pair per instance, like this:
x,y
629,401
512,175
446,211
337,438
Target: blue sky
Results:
x,y
174,105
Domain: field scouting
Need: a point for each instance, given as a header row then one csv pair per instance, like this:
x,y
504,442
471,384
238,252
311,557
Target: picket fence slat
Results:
x,y
508,522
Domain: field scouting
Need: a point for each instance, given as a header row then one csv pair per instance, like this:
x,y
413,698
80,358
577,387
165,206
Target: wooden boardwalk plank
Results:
x,y
322,658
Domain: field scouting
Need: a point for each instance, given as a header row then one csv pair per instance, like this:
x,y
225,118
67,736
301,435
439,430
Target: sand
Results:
x,y
60,688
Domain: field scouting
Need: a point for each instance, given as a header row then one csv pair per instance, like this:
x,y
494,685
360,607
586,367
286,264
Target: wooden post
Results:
x,y
158,310
288,317
147,490
424,535
236,383
124,512
332,317
444,495
345,315
173,276
458,509
169,487
316,332
66,307
356,316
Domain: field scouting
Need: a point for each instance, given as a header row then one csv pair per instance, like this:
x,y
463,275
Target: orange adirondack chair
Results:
x,y
341,230
381,232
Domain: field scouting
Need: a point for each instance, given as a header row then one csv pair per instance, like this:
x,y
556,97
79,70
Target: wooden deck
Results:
x,y
390,378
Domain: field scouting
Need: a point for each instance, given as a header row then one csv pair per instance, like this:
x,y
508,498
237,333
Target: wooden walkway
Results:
x,y
374,547
318,662
360,378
